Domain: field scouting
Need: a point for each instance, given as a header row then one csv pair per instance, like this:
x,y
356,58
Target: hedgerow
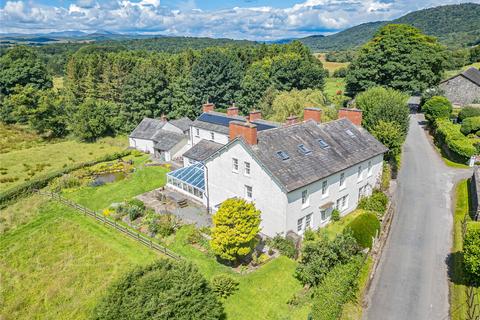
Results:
x,y
377,202
468,112
42,181
470,125
447,133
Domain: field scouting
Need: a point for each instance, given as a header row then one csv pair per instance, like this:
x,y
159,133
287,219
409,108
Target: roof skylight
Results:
x,y
350,133
323,144
303,149
283,155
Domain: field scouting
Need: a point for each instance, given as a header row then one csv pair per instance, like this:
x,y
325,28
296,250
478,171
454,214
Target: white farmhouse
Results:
x,y
295,174
165,140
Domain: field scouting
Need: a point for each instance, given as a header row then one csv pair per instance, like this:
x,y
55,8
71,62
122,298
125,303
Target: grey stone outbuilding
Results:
x,y
464,88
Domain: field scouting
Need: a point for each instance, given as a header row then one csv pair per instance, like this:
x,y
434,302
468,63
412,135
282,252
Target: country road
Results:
x,y
411,279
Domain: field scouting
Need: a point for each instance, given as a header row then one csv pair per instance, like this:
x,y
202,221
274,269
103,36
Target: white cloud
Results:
x,y
308,17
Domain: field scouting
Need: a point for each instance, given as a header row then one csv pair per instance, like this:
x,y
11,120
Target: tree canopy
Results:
x,y
165,289
399,57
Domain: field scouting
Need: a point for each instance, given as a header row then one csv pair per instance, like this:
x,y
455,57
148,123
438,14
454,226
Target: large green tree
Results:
x,y
235,230
93,119
163,290
21,66
292,103
399,57
384,104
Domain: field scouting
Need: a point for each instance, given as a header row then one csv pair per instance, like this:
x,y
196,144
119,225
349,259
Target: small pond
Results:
x,y
101,179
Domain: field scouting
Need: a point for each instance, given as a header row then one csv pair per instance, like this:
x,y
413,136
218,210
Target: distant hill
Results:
x,y
454,26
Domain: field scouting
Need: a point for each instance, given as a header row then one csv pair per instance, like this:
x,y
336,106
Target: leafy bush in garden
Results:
x,y
167,224
320,256
286,246
224,286
437,107
163,290
468,112
386,176
471,253
364,228
377,202
470,125
337,288
340,73
335,215
133,208
449,134
235,230
66,181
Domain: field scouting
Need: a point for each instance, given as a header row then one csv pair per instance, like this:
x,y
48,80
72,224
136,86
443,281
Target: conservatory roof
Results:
x,y
192,175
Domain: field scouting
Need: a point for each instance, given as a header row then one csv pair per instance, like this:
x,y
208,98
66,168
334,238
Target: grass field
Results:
x,y
59,264
333,85
21,165
331,66
15,137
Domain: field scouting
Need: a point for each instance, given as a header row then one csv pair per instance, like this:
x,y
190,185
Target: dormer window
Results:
x,y
303,149
350,133
283,155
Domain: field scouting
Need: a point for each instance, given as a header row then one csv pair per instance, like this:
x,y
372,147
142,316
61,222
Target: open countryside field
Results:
x,y
331,66
262,294
451,73
15,137
18,166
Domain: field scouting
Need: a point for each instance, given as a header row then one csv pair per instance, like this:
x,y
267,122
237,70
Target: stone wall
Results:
x,y
460,91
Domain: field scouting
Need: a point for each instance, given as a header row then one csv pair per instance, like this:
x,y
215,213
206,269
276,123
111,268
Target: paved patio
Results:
x,y
166,201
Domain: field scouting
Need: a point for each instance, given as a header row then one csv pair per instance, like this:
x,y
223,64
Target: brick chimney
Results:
x,y
163,118
352,114
291,120
232,111
314,114
208,107
254,115
247,130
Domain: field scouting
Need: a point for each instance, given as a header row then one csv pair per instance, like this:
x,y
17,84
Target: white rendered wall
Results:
x,y
267,195
295,209
141,144
206,134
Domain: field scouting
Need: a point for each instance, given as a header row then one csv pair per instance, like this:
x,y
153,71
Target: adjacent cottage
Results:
x,y
464,88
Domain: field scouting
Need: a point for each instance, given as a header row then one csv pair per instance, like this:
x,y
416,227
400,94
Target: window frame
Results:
x,y
308,221
360,173
212,135
248,168
235,165
342,180
325,188
248,189
305,199
300,224
370,168
197,132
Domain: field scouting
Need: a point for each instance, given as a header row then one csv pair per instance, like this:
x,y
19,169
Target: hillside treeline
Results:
x,y
109,92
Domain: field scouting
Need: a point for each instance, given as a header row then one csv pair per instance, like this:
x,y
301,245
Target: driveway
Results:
x,y
411,280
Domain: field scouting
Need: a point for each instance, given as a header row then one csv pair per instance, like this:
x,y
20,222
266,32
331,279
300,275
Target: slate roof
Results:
x,y
202,150
219,122
147,128
166,140
473,75
347,146
182,123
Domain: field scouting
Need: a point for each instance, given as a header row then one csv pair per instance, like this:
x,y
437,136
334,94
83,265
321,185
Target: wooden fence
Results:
x,y
145,240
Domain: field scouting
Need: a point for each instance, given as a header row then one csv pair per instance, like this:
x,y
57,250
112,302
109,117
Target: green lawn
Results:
x,y
15,137
332,85
336,227
59,264
22,165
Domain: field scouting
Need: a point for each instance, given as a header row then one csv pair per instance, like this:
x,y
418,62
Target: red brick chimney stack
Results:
x,y
352,114
208,107
314,114
291,120
232,111
254,115
247,130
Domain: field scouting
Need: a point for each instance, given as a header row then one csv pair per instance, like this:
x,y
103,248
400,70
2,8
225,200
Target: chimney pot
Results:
x,y
254,115
208,107
352,114
291,120
314,114
232,111
247,130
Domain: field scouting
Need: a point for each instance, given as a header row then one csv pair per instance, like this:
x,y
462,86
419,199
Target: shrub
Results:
x,y
167,225
471,254
364,228
337,288
437,107
136,203
309,235
386,176
340,73
335,215
286,246
195,237
320,256
224,285
470,125
447,133
468,112
377,202
163,290
66,181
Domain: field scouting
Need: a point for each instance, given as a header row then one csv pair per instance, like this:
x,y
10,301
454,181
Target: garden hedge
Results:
x,y
449,134
437,107
468,112
29,187
377,202
470,125
364,228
